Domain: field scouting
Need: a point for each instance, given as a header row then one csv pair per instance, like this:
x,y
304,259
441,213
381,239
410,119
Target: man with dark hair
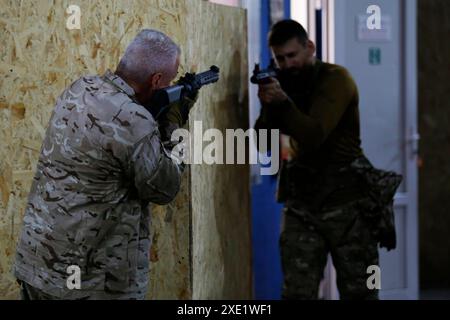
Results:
x,y
287,30
335,200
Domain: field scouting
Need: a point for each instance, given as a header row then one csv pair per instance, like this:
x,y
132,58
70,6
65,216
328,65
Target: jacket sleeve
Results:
x,y
267,120
157,177
327,108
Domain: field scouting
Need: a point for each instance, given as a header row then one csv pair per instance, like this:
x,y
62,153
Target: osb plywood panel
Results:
x,y
40,57
170,265
220,193
434,125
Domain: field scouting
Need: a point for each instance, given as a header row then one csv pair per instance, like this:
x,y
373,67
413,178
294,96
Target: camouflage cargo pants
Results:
x,y
28,292
306,241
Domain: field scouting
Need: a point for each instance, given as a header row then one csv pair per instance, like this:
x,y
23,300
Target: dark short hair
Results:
x,y
286,30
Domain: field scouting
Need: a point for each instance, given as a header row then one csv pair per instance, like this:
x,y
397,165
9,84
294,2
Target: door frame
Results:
x,y
409,199
409,106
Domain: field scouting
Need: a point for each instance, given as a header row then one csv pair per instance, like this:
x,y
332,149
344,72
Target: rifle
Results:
x,y
187,86
262,76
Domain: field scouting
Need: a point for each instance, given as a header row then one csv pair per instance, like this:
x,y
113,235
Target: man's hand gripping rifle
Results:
x,y
186,89
263,76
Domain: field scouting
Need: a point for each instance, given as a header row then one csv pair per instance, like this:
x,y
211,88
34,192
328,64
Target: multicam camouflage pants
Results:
x,y
28,292
306,241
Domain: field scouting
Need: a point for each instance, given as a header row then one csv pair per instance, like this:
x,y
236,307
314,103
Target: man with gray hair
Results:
x,y
103,160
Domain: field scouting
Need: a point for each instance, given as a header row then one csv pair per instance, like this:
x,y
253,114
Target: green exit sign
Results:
x,y
375,56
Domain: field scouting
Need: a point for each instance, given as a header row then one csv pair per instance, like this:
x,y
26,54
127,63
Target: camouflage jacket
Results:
x,y
101,163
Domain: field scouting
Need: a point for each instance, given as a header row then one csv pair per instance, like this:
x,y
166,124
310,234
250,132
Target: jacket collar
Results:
x,y
119,83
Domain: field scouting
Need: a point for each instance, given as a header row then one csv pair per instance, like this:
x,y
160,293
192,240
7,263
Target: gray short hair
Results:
x,y
150,52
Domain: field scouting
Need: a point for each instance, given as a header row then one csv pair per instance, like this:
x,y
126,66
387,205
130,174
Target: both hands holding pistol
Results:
x,y
270,91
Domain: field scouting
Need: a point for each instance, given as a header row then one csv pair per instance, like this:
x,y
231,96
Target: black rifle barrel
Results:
x,y
189,83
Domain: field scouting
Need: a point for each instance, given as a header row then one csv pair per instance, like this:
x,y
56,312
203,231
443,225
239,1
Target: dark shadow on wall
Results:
x,y
232,210
434,126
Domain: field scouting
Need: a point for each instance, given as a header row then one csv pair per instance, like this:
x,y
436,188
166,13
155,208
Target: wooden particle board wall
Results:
x,y
201,241
220,193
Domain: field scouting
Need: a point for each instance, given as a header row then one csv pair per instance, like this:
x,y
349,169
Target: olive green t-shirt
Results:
x,y
321,117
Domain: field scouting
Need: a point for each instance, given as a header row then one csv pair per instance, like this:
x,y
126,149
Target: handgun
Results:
x,y
263,76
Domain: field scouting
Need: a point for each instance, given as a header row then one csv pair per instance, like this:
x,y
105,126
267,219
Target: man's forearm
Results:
x,y
157,176
267,120
288,118
303,128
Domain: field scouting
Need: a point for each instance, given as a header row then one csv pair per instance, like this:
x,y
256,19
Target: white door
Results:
x,y
385,69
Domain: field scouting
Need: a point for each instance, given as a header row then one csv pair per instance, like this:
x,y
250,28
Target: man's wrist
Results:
x,y
166,130
285,103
